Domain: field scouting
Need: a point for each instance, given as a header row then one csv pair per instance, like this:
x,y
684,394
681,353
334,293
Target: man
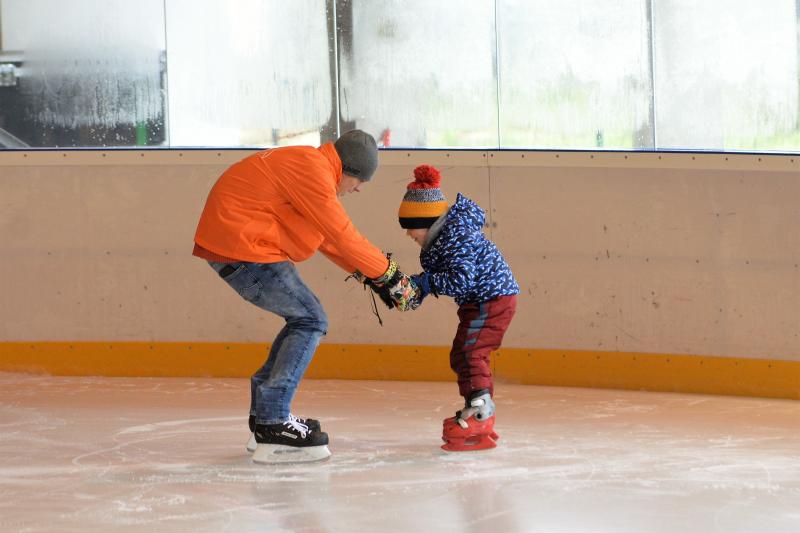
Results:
x,y
264,213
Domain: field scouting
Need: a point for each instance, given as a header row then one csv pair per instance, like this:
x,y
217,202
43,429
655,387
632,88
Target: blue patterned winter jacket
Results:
x,y
460,261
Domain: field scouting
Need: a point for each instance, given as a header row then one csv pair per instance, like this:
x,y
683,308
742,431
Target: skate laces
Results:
x,y
297,419
293,423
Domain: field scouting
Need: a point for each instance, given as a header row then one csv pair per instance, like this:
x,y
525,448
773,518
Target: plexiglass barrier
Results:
x,y
521,74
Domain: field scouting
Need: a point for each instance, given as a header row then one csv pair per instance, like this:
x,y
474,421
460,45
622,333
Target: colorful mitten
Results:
x,y
403,291
394,288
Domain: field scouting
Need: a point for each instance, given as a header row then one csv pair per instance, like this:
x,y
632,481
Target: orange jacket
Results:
x,y
281,204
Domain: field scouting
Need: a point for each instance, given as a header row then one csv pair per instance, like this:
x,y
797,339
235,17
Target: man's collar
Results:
x,y
330,153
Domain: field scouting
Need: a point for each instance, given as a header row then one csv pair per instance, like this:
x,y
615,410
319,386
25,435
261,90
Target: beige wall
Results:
x,y
668,253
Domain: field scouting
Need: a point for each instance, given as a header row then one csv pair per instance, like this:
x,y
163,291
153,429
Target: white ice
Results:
x,y
164,455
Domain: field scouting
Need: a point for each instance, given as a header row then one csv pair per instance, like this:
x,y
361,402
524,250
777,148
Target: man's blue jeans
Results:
x,y
277,288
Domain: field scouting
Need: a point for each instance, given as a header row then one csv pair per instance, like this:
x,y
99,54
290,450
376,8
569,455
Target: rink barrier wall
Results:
x,y
565,368
620,256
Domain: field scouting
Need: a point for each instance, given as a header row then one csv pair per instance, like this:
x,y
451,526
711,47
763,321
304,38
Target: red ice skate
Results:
x,y
472,428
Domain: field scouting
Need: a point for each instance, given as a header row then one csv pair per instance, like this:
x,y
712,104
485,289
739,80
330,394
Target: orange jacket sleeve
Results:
x,y
312,192
333,254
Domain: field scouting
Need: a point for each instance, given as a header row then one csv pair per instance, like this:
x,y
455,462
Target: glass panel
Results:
x,y
574,74
82,73
726,74
417,73
248,73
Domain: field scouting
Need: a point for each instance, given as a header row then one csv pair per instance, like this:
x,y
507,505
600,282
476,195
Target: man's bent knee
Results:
x,y
317,321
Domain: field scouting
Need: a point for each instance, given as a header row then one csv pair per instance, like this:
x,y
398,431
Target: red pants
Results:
x,y
480,330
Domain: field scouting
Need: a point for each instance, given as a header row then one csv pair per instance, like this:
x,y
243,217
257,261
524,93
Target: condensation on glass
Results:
x,y
574,74
628,74
86,73
248,73
416,73
727,74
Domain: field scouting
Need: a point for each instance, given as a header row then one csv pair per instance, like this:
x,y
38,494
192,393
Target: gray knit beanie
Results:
x,y
359,154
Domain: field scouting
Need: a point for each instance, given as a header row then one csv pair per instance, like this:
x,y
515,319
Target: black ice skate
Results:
x,y
313,425
289,442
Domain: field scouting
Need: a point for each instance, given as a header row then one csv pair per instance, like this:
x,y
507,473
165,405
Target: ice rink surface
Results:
x,y
146,454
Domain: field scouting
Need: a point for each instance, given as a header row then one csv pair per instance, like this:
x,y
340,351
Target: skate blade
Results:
x,y
252,444
278,453
464,446
494,436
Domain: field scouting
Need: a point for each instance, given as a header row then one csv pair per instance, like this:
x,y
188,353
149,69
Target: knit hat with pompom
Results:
x,y
423,202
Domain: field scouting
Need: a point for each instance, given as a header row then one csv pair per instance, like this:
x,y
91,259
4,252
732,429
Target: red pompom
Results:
x,y
425,177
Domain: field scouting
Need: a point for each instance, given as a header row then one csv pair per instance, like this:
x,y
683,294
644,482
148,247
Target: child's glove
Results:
x,y
424,286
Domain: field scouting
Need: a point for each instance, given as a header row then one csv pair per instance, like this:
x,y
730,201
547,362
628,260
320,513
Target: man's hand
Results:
x,y
403,292
394,288
382,292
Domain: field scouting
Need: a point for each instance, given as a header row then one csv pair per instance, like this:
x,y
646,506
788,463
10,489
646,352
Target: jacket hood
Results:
x,y
462,262
466,214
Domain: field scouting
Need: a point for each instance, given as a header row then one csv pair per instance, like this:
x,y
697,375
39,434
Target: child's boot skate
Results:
x,y
313,425
289,442
473,427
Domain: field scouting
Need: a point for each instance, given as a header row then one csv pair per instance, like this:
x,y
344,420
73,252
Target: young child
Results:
x,y
459,261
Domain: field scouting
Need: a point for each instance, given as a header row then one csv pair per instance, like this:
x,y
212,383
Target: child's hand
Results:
x,y
424,285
